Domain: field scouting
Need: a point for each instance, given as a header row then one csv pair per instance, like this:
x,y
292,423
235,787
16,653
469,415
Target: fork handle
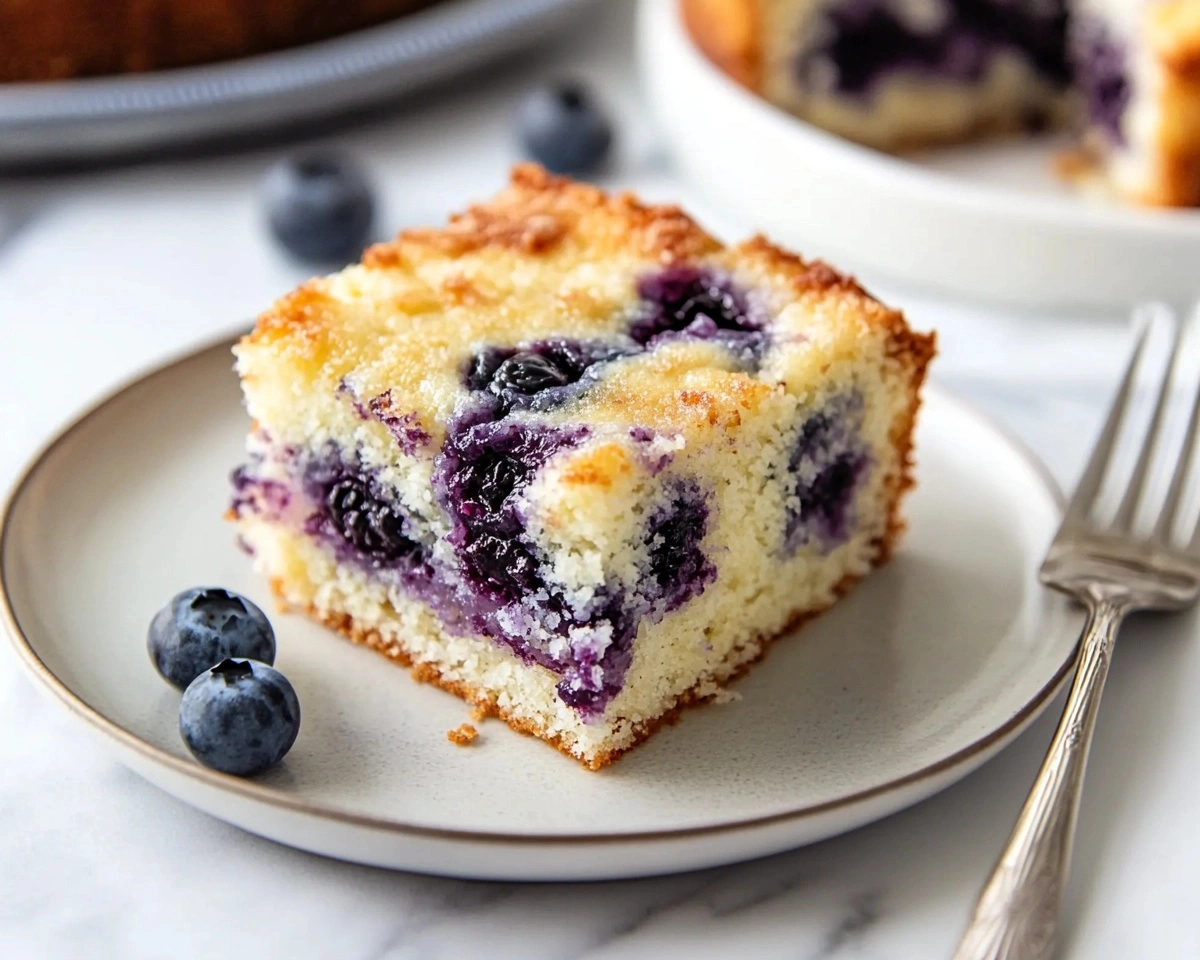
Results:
x,y
1017,914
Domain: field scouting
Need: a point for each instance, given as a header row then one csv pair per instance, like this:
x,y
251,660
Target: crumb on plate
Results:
x,y
462,734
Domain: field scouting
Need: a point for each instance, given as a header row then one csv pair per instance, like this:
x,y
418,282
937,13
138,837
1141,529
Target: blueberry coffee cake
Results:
x,y
895,74
572,459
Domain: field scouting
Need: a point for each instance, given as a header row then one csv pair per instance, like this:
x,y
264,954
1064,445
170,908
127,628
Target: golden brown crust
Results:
x,y
728,33
920,350
539,211
57,39
804,276
434,295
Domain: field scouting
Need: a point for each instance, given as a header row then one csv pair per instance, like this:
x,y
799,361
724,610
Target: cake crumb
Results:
x,y
462,735
713,692
479,714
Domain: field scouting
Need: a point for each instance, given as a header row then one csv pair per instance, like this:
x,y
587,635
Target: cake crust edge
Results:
x,y
485,706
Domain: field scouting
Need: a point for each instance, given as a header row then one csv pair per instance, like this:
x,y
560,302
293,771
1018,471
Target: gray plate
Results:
x,y
106,117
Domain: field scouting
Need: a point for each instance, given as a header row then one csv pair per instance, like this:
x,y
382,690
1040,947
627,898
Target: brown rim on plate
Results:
x,y
274,798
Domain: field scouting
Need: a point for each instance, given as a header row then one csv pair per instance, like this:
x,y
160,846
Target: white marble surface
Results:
x,y
115,269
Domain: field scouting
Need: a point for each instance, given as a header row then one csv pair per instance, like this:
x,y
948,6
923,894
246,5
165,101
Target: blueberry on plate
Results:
x,y
563,129
240,717
203,626
319,207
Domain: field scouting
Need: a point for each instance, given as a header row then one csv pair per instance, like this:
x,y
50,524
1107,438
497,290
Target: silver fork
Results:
x,y
1114,568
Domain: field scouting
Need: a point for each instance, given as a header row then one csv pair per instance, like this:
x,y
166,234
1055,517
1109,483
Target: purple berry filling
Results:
x,y
676,302
405,428
678,571
825,468
478,475
678,568
540,376
254,494
360,517
866,41
655,461
495,582
685,301
1102,75
372,526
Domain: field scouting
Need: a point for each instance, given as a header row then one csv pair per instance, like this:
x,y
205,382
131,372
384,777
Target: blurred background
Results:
x,y
135,210
144,213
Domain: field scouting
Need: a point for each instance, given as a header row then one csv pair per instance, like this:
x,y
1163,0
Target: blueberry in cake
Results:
x,y
572,459
894,74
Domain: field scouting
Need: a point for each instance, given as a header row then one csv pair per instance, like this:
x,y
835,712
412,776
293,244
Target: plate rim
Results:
x,y
255,792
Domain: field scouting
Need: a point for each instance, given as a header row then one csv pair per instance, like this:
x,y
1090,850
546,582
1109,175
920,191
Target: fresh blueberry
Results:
x,y
240,717
203,626
563,129
319,206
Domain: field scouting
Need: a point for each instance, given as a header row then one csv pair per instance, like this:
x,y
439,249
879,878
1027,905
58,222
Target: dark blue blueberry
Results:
x,y
481,467
563,129
542,375
240,717
679,569
319,207
484,366
685,301
824,470
203,626
373,527
527,373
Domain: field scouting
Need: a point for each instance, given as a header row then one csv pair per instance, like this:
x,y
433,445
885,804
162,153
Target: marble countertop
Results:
x,y
103,272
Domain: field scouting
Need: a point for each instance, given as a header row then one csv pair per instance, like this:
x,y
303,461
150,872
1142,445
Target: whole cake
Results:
x,y
59,39
572,459
895,74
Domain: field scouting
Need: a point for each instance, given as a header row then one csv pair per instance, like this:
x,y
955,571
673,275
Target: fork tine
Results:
x,y
1093,474
1172,507
1123,518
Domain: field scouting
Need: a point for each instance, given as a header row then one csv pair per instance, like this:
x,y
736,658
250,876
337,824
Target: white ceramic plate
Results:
x,y
927,669
985,221
105,117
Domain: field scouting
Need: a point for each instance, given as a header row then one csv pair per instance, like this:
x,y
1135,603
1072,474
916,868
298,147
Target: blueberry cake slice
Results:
x,y
895,74
1138,69
572,459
